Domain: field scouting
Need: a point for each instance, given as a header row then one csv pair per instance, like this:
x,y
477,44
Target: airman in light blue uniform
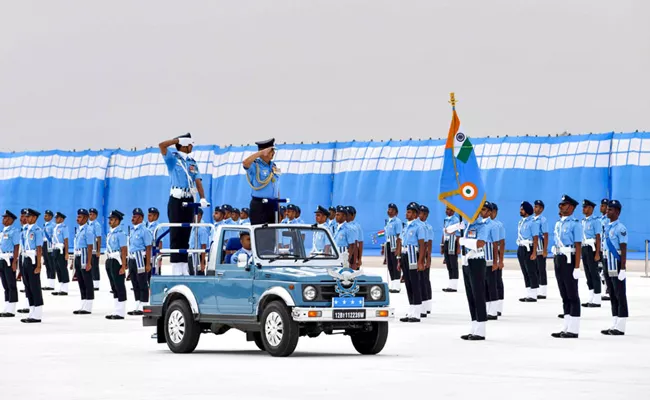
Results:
x,y
616,239
474,241
542,249
393,232
9,254
32,243
50,269
591,238
449,249
139,260
116,263
60,243
413,247
84,238
527,238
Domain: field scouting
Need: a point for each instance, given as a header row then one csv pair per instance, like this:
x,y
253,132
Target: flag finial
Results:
x,y
452,99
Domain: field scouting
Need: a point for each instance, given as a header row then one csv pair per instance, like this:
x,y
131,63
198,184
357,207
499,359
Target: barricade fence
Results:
x,y
367,175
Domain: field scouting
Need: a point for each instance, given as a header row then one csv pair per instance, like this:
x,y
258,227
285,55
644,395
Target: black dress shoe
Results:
x,y
498,313
466,337
569,335
404,319
55,293
96,289
32,321
560,316
423,315
541,297
413,319
613,332
605,298
114,317
22,290
24,311
63,293
77,312
47,288
607,332
557,334
585,304
83,312
528,300
476,337
6,315
135,312
492,317
593,305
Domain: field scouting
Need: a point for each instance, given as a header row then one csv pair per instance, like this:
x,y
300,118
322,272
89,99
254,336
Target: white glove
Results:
x,y
185,141
576,273
621,275
204,203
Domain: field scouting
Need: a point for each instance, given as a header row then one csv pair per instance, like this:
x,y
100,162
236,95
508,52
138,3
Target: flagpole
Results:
x,y
452,99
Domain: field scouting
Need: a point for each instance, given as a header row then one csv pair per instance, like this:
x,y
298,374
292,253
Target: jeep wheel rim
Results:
x,y
274,329
176,326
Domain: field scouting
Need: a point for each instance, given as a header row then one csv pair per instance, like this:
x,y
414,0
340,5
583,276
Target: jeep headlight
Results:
x,y
309,293
376,292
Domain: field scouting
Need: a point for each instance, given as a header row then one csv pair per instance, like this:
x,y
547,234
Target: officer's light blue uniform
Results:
x,y
32,239
265,183
151,226
115,240
413,232
59,234
615,278
243,254
180,169
138,242
85,237
48,229
245,221
9,238
320,240
542,224
474,274
528,229
344,236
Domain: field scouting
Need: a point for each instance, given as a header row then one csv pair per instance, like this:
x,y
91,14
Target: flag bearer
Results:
x,y
425,276
449,248
393,230
473,242
527,238
542,248
567,250
32,251
83,251
9,254
60,237
591,238
615,275
116,254
139,260
412,247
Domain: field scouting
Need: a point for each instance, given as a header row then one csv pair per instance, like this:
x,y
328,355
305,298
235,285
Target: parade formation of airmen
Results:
x,y
598,242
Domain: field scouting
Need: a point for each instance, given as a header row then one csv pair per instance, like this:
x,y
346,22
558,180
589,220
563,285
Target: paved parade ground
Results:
x,y
88,357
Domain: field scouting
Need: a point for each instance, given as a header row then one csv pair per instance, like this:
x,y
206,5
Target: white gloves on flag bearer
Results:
x,y
204,203
576,273
621,275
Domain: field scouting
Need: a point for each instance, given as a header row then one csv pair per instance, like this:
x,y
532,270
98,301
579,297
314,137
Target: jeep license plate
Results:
x,y
349,314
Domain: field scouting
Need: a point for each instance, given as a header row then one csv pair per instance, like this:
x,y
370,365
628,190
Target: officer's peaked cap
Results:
x,y
116,214
615,204
138,211
264,144
352,210
424,208
332,208
32,212
153,210
246,210
23,211
393,206
59,214
9,214
605,201
93,211
568,199
342,209
322,210
413,206
83,211
539,203
235,210
488,205
495,207
292,207
49,212
226,207
588,203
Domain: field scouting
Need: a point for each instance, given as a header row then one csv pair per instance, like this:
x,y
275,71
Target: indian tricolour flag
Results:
x,y
461,185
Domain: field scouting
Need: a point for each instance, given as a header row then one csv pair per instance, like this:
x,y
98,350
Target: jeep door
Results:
x,y
234,285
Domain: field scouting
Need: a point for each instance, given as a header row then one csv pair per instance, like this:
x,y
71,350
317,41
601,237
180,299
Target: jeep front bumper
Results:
x,y
329,314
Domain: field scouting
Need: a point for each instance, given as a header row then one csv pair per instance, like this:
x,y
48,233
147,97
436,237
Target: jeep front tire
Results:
x,y
371,342
280,333
181,330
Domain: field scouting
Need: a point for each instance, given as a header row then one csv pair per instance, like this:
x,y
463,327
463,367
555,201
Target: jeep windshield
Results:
x,y
294,243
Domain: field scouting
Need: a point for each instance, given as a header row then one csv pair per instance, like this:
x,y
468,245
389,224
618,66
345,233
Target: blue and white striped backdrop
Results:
x,y
367,175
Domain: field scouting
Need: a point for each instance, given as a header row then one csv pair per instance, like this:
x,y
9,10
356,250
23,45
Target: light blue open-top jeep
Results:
x,y
294,283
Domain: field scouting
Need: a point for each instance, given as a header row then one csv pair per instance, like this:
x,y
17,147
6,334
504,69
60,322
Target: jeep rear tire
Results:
x,y
181,330
280,333
372,342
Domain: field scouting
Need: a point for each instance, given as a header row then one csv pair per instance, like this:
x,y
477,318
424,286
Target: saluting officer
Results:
x,y
542,248
449,248
50,269
140,261
615,276
83,251
186,182
9,253
412,248
263,176
591,238
498,258
97,245
473,242
393,230
199,239
491,251
604,221
527,237
425,276
344,236
567,250
116,255
32,251
60,243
